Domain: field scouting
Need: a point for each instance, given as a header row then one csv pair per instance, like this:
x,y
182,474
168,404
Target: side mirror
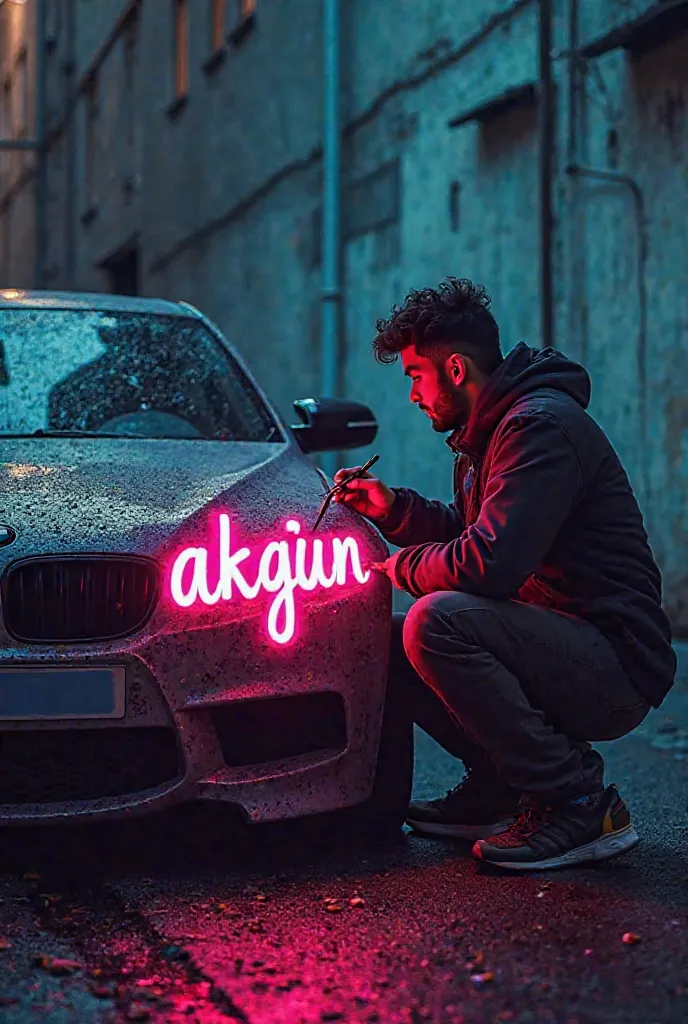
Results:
x,y
333,424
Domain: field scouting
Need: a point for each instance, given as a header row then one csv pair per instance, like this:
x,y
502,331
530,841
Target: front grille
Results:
x,y
79,599
63,765
256,731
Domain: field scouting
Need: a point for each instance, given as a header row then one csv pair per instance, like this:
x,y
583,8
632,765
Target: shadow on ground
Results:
x,y
201,839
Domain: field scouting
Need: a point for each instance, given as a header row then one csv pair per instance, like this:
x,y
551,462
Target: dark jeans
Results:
x,y
513,690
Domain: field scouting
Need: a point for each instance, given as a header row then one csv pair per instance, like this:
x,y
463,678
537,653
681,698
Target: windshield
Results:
x,y
129,374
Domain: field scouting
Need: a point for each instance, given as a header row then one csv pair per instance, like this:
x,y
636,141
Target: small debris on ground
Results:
x,y
482,979
137,1011
56,965
101,991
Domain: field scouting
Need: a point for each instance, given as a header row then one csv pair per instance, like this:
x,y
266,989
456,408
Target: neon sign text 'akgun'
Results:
x,y
277,574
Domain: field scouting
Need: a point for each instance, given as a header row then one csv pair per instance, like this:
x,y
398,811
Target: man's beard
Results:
x,y
451,409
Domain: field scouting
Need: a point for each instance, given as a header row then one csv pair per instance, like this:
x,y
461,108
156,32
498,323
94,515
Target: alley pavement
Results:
x,y
189,919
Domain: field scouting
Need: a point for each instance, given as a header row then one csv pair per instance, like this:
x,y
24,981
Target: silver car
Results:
x,y
172,628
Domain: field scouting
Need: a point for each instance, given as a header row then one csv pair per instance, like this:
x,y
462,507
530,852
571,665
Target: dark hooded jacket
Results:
x,y
543,512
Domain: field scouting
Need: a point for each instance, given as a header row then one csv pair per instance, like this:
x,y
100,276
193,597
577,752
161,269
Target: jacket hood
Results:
x,y
523,371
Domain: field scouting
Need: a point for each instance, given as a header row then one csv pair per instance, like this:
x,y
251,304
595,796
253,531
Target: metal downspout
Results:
x,y
546,172
629,183
575,171
576,330
71,145
41,192
331,227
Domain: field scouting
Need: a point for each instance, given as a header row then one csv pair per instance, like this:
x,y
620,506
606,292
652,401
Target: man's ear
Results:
x,y
456,368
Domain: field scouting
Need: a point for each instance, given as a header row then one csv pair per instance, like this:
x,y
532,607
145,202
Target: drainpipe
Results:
x,y
41,194
632,186
576,171
546,172
574,84
71,144
331,227
576,330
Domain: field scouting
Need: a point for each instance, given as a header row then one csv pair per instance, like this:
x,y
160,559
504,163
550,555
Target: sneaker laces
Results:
x,y
472,786
532,818
537,813
460,786
454,791
472,778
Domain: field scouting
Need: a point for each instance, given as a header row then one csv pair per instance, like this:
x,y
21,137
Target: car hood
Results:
x,y
112,495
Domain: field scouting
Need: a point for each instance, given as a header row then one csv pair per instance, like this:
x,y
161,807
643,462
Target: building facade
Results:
x,y
183,158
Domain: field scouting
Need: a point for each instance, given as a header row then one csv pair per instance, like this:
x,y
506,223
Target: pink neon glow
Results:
x,y
278,573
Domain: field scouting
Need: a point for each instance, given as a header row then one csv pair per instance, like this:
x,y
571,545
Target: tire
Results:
x,y
384,812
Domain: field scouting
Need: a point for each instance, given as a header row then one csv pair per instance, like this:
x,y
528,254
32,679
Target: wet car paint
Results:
x,y
150,498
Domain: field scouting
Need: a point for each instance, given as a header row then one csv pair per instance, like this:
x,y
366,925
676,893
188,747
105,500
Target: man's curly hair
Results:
x,y
455,317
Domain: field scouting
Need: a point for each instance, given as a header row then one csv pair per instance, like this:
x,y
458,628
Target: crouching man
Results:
x,y
538,625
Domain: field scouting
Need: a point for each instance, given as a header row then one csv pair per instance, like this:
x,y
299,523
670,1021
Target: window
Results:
x,y
9,119
5,120
242,20
218,14
91,145
7,113
53,26
4,250
181,48
454,205
129,100
21,127
121,270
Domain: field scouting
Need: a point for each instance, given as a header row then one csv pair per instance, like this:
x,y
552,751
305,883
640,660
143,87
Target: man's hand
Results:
x,y
366,494
388,567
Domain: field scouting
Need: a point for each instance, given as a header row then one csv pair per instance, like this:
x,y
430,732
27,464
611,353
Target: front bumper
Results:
x,y
181,683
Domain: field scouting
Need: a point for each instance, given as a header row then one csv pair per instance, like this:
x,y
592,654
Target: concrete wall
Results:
x,y
17,117
224,195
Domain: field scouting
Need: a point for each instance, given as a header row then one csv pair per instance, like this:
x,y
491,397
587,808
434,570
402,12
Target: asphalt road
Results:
x,y
188,920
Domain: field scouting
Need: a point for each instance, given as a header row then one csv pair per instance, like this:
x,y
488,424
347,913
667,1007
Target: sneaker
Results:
x,y
475,809
590,828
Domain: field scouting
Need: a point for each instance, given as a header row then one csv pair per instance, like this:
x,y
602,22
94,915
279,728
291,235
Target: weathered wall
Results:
x,y
225,194
635,123
491,233
17,116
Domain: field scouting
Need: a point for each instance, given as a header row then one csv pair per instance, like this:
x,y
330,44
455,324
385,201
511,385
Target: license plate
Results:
x,y
28,694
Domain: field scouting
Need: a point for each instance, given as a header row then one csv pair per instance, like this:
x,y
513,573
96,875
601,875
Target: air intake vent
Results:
x,y
61,765
79,599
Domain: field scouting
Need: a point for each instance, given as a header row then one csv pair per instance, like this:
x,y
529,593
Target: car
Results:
x,y
172,627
